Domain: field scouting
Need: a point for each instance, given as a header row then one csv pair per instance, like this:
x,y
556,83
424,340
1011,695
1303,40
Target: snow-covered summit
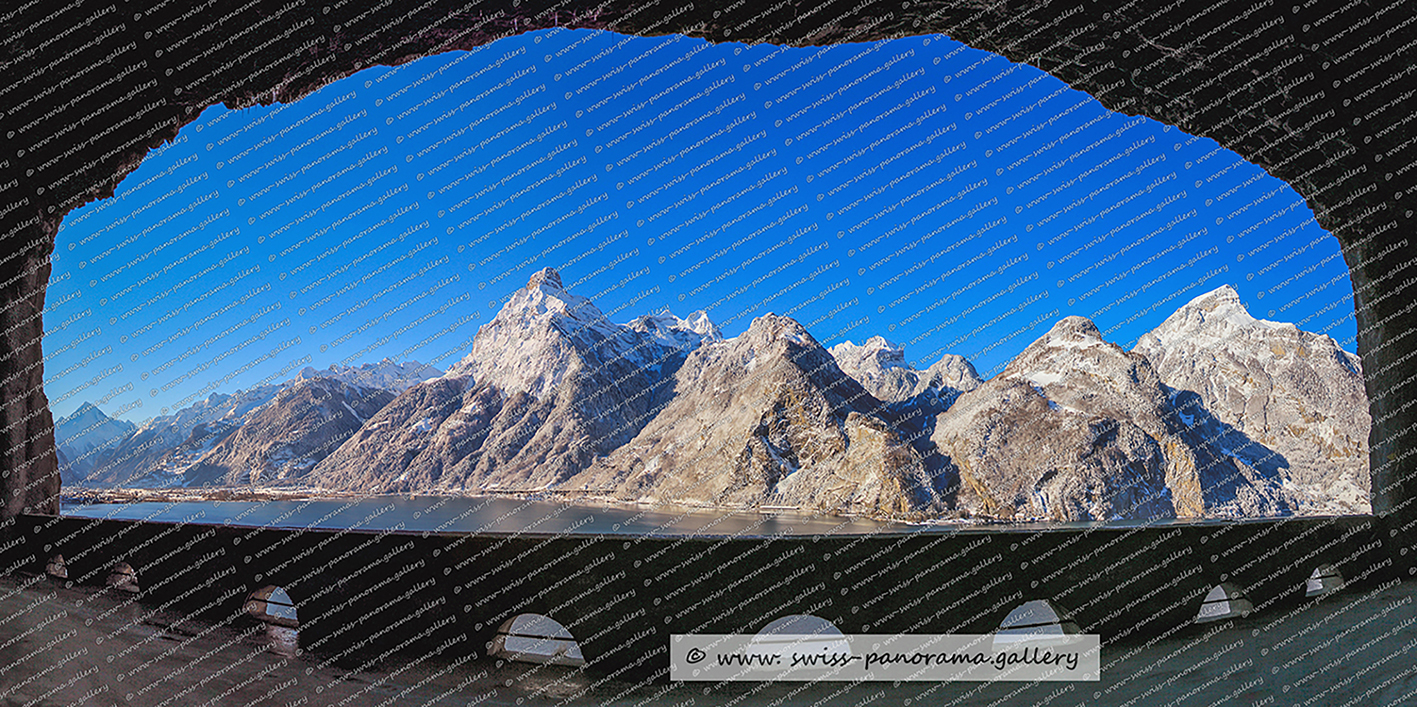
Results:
x,y
83,436
1214,315
1296,393
385,374
875,355
684,334
544,333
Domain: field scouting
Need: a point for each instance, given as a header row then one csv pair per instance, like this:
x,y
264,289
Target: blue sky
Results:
x,y
940,196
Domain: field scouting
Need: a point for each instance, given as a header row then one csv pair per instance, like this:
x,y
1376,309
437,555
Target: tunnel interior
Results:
x,y
1282,87
1285,128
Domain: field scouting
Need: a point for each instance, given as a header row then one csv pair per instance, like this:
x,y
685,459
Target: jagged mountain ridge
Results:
x,y
83,438
880,367
1075,428
1273,398
384,374
768,418
553,396
549,385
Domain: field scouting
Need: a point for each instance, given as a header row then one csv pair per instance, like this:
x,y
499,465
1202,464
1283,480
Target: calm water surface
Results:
x,y
485,515
505,516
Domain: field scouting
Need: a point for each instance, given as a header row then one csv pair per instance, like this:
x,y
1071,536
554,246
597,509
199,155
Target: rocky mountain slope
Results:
x,y
549,385
306,421
166,445
1213,414
911,398
1276,399
768,418
1076,428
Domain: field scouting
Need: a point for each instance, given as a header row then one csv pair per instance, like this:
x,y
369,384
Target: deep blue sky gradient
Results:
x,y
918,189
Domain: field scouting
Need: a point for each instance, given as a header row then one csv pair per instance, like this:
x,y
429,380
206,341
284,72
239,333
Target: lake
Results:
x,y
483,515
507,516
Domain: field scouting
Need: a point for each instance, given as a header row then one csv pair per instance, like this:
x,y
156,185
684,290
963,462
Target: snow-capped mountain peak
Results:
x,y
876,355
1218,313
1294,397
683,334
1073,347
546,297
384,374
545,333
1074,333
84,435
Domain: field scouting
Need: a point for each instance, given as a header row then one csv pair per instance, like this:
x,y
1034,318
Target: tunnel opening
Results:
x,y
1340,201
273,605
428,212
1035,620
796,634
1326,579
536,638
1224,601
276,611
123,577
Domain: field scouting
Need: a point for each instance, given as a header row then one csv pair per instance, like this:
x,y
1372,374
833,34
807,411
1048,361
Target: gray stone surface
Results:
x,y
1272,396
769,419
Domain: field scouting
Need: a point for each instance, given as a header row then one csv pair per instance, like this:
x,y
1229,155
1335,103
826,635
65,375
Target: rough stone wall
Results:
x,y
1316,93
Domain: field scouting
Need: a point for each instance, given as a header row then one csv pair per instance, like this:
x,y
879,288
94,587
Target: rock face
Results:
x,y
284,439
384,454
1076,428
880,367
768,419
1056,435
1271,396
911,399
549,385
683,334
84,438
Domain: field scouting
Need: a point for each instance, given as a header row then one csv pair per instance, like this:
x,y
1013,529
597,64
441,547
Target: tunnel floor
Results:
x,y
85,646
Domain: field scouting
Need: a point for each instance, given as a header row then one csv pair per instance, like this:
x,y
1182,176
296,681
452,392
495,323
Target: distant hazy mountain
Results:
x,y
1279,401
384,374
880,367
167,444
683,334
164,449
84,437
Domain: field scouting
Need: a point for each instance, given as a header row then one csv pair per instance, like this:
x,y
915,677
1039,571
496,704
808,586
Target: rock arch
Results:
x,y
1279,84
